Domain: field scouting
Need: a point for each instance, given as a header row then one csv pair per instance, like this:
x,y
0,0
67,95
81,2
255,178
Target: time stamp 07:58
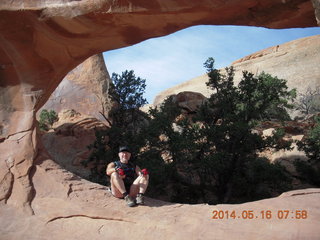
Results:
x,y
265,214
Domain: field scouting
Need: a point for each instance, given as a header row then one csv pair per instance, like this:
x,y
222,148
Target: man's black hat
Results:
x,y
124,149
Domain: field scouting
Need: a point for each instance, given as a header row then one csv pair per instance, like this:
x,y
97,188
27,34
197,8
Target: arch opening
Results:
x,y
124,59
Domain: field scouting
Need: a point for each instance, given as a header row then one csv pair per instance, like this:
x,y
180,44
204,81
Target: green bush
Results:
x,y
310,170
47,119
126,121
311,144
216,152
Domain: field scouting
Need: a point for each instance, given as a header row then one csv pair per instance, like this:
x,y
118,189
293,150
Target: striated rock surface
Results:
x,y
40,42
84,89
296,61
68,143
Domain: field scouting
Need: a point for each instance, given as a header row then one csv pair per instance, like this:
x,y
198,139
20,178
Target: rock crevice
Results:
x,y
90,217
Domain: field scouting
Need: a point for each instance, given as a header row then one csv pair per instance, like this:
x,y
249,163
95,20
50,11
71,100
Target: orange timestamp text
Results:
x,y
264,214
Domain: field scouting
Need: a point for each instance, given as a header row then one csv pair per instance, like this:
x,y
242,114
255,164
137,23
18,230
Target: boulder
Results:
x,y
68,143
188,101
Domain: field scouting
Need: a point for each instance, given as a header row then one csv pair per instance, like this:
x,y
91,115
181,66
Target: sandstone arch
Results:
x,y
40,41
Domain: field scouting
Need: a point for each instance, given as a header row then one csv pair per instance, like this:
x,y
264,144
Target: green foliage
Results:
x,y
310,170
229,130
258,179
127,90
309,173
218,146
99,156
262,98
311,145
47,118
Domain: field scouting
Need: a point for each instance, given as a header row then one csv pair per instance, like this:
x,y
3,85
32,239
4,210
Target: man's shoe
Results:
x,y
140,199
130,202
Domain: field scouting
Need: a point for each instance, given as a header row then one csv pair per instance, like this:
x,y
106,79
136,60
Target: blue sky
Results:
x,y
170,60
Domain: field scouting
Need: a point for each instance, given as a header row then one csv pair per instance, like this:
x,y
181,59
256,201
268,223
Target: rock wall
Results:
x,y
316,5
40,42
68,141
296,61
84,89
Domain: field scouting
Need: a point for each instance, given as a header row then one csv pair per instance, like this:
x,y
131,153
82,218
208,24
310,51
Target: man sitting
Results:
x,y
127,180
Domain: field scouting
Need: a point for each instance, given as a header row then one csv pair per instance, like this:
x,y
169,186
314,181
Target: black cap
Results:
x,y
124,149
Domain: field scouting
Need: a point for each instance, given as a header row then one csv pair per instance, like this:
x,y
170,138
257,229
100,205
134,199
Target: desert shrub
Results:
x,y
309,101
216,152
47,119
311,144
309,170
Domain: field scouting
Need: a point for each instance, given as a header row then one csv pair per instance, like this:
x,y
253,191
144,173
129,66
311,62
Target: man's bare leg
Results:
x,y
118,189
139,187
117,185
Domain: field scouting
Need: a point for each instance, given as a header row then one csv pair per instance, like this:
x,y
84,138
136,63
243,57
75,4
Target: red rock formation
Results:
x,y
68,143
40,42
84,89
296,61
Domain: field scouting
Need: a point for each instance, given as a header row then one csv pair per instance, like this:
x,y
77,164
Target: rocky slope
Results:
x,y
67,207
40,42
296,61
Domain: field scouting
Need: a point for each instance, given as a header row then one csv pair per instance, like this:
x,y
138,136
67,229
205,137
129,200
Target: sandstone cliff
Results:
x,y
296,61
40,42
84,89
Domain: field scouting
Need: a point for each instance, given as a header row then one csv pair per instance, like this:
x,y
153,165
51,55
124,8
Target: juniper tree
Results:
x,y
127,91
218,146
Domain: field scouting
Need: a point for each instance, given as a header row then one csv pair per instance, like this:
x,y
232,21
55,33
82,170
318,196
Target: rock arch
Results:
x,y
41,41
